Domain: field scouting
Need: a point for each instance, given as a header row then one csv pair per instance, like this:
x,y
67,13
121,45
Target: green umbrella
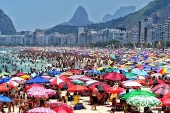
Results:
x,y
145,101
79,82
4,73
130,75
138,93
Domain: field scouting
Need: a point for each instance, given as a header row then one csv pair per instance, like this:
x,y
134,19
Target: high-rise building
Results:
x,y
167,30
142,29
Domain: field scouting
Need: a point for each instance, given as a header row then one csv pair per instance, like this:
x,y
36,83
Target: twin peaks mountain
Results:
x,y
80,18
121,12
6,25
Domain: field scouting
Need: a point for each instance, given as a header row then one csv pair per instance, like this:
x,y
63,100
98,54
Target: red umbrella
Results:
x,y
167,95
78,72
56,81
4,89
66,85
156,81
165,101
19,74
62,110
158,86
64,78
115,89
114,76
101,86
10,84
78,88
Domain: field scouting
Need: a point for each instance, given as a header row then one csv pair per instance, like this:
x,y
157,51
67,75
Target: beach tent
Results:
x,y
37,80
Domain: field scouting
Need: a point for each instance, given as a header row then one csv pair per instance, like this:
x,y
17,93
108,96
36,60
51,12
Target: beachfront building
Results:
x,y
142,29
167,30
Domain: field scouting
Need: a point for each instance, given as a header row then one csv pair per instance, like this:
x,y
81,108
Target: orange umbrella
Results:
x,y
77,88
115,89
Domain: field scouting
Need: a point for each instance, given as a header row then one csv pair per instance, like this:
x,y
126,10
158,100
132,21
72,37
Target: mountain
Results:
x,y
122,11
80,18
159,10
6,25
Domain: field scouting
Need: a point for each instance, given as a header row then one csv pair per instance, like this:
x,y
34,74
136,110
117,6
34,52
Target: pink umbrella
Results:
x,y
37,94
53,105
41,110
36,88
75,77
50,92
85,78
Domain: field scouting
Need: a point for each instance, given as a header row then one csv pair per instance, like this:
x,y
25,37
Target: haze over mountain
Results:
x,y
159,10
6,25
80,18
121,12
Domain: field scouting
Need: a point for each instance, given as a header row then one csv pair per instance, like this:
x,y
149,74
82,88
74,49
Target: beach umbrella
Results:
x,y
78,72
53,105
62,110
130,75
75,77
34,85
141,82
37,80
156,81
3,80
77,88
56,81
145,101
101,86
66,85
137,93
67,73
25,77
19,74
115,89
165,101
4,89
78,82
94,71
17,79
64,78
157,75
163,70
167,95
124,92
36,89
50,92
4,73
132,83
47,77
91,82
5,99
9,84
84,78
161,90
41,110
114,76
37,94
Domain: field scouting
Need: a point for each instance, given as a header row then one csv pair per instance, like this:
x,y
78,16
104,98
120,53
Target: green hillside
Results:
x,y
159,10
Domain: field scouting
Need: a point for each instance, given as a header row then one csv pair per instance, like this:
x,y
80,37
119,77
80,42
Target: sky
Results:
x,y
44,14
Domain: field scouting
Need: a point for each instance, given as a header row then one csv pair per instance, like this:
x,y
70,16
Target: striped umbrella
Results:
x,y
164,89
41,110
37,94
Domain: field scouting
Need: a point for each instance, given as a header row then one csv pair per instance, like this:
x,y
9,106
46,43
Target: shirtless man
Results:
x,y
95,94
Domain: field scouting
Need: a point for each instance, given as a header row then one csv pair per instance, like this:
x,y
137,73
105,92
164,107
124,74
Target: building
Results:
x,y
167,30
142,29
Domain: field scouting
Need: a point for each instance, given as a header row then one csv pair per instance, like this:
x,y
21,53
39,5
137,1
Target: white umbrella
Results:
x,y
17,79
132,83
91,82
156,75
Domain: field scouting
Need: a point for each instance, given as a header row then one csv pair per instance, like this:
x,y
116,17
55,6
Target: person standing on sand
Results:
x,y
95,95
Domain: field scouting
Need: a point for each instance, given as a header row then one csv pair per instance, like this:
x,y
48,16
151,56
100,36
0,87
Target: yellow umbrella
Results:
x,y
100,68
67,73
25,77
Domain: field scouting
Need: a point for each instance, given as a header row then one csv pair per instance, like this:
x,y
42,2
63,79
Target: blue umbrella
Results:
x,y
3,80
124,92
37,80
5,99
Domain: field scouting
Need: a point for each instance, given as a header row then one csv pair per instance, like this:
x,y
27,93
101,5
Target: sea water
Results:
x,y
5,53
